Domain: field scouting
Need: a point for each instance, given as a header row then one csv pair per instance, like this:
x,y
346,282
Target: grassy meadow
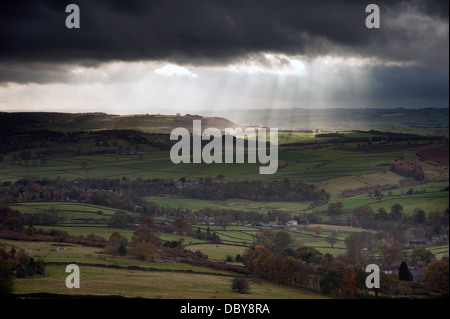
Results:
x,y
156,285
151,280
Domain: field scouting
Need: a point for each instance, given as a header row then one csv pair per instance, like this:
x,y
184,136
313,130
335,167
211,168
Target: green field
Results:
x,y
432,201
154,280
72,212
218,251
155,284
66,253
439,251
236,204
323,164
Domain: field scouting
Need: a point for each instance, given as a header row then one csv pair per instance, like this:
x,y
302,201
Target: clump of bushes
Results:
x,y
18,264
240,284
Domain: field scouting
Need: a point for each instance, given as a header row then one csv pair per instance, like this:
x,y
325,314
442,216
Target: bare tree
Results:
x,y
332,238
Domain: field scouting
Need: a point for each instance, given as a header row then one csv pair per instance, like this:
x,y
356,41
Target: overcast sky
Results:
x,y
172,56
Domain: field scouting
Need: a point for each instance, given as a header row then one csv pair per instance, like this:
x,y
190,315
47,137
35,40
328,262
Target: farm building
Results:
x,y
389,270
415,241
291,222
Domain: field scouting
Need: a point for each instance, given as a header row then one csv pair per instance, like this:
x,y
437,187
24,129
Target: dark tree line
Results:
x,y
129,194
11,219
285,190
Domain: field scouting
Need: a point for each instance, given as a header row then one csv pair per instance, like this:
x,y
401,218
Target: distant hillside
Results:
x,y
427,121
399,119
14,123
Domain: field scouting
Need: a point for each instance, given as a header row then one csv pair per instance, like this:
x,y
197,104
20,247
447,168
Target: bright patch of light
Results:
x,y
352,61
268,63
298,66
77,70
175,70
280,64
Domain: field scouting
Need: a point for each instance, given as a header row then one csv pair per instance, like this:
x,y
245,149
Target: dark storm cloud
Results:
x,y
216,32
34,72
413,82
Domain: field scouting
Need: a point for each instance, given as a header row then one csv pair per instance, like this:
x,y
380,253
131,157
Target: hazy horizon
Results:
x,y
209,113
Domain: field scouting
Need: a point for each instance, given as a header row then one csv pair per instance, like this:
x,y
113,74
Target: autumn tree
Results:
x,y
19,263
13,223
94,240
404,287
145,235
388,284
331,282
271,265
289,270
349,283
10,219
392,254
254,255
309,254
146,251
282,240
118,220
7,212
335,208
279,240
421,256
180,225
437,278
118,244
436,218
223,220
378,194
367,212
265,238
317,230
355,243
